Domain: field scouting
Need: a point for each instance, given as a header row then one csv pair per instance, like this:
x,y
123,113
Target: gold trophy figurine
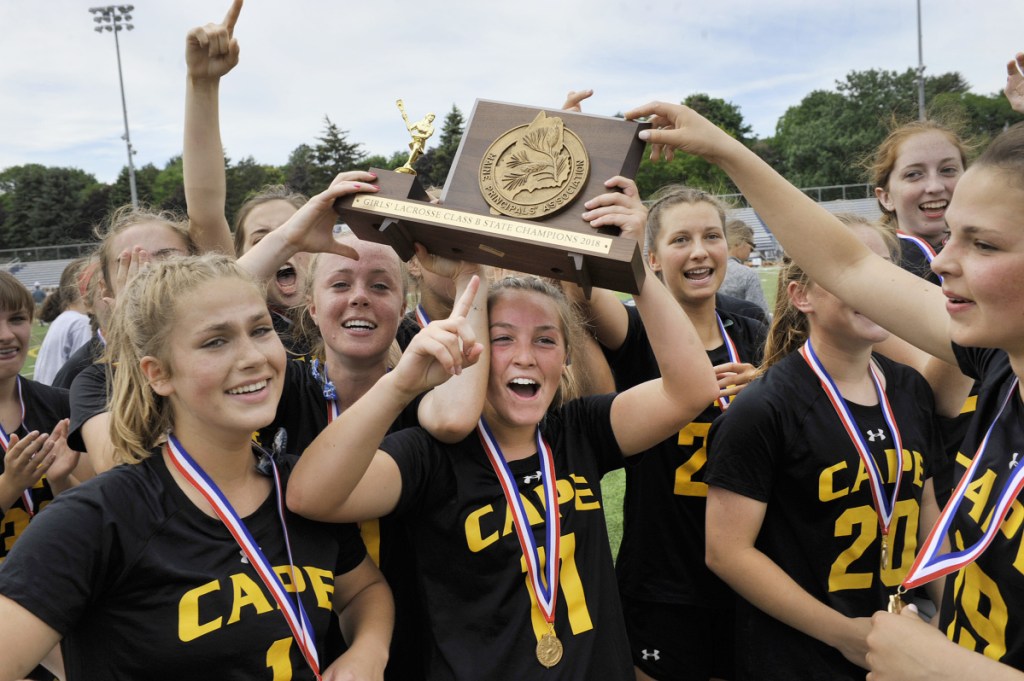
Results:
x,y
421,132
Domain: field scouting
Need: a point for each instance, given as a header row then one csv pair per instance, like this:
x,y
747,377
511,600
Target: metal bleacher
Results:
x,y
46,272
769,247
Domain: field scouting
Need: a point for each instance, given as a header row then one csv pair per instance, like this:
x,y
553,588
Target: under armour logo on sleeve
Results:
x,y
652,655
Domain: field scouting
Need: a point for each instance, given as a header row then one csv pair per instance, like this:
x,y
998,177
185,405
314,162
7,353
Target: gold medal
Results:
x,y
885,551
549,649
895,602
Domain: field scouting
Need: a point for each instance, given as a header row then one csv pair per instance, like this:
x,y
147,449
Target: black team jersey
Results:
x,y
90,396
980,609
913,260
302,412
661,558
484,621
141,584
782,443
408,328
44,408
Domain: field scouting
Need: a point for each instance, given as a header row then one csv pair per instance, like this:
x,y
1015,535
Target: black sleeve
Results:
x,y
351,549
741,307
89,398
77,362
44,405
743,444
909,380
633,362
58,564
426,476
976,362
590,418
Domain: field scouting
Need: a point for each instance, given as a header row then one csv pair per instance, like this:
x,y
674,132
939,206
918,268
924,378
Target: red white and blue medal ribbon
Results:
x,y
543,579
926,248
5,442
929,564
884,504
734,356
422,318
293,611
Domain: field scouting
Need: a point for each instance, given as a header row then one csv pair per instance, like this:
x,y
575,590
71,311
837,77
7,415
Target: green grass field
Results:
x,y
38,332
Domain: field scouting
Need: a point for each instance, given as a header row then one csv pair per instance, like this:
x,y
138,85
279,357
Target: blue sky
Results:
x,y
306,58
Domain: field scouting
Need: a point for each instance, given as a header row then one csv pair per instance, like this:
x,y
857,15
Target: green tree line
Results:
x,y
821,141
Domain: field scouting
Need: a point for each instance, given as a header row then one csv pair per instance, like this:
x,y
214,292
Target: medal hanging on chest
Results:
x,y
929,564
5,443
884,503
734,356
293,611
543,577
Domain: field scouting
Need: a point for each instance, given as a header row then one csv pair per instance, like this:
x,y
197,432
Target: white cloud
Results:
x,y
307,58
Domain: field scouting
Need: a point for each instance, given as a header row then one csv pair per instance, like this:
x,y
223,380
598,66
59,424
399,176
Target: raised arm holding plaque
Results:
x,y
514,196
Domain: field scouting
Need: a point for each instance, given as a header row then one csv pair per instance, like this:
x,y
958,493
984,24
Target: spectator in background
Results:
x,y
69,331
38,296
90,288
741,281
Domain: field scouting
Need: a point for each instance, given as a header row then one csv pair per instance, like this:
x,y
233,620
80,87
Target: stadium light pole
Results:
x,y
920,67
115,18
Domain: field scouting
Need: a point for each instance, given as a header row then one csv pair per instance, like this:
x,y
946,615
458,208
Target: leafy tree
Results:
x,y
822,140
248,176
300,173
396,160
692,170
334,154
169,187
41,205
145,179
434,166
981,116
725,115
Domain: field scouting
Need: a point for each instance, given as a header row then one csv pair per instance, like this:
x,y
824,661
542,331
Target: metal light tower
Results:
x,y
115,18
920,67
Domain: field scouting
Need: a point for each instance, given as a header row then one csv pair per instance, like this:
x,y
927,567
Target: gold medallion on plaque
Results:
x,y
534,170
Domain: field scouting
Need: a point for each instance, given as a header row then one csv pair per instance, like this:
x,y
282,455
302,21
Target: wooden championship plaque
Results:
x,y
514,197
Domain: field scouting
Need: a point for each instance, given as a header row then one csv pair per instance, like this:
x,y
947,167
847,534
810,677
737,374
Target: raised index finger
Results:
x,y
232,16
465,302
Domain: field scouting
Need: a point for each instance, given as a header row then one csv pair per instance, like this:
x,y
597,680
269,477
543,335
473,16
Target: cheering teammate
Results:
x,y
817,474
678,614
186,559
915,170
486,513
980,308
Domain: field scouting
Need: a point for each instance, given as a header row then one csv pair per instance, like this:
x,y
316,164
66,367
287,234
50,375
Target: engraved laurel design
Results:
x,y
534,170
539,160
